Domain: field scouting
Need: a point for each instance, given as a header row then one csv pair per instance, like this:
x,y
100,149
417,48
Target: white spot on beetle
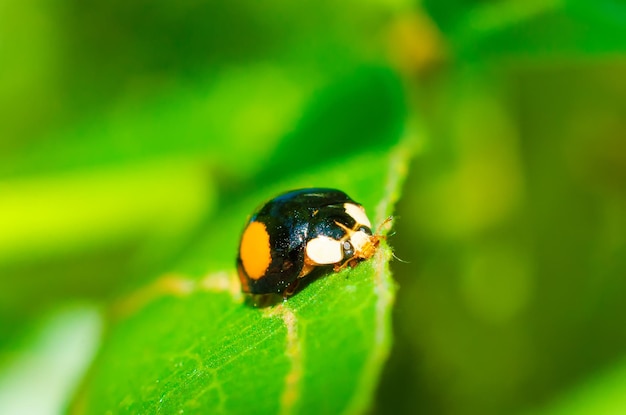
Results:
x,y
359,240
358,214
324,250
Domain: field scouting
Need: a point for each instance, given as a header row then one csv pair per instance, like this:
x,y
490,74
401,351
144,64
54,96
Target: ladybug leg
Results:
x,y
306,269
349,263
290,289
245,287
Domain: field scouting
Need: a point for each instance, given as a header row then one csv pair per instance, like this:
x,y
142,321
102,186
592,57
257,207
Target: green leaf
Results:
x,y
602,394
232,116
112,221
185,344
531,28
49,360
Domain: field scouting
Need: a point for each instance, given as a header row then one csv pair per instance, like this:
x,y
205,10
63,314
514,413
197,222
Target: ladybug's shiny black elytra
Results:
x,y
298,231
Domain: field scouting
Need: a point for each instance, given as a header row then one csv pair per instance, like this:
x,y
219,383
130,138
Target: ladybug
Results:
x,y
298,232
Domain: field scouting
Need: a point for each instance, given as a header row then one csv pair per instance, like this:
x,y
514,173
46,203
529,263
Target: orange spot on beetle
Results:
x,y
254,250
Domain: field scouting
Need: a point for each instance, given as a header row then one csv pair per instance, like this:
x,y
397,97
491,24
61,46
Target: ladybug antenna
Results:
x,y
399,259
385,224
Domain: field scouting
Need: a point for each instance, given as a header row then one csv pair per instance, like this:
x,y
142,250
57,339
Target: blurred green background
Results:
x,y
126,127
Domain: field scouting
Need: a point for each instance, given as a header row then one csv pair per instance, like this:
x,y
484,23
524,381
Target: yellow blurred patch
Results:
x,y
45,216
485,184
